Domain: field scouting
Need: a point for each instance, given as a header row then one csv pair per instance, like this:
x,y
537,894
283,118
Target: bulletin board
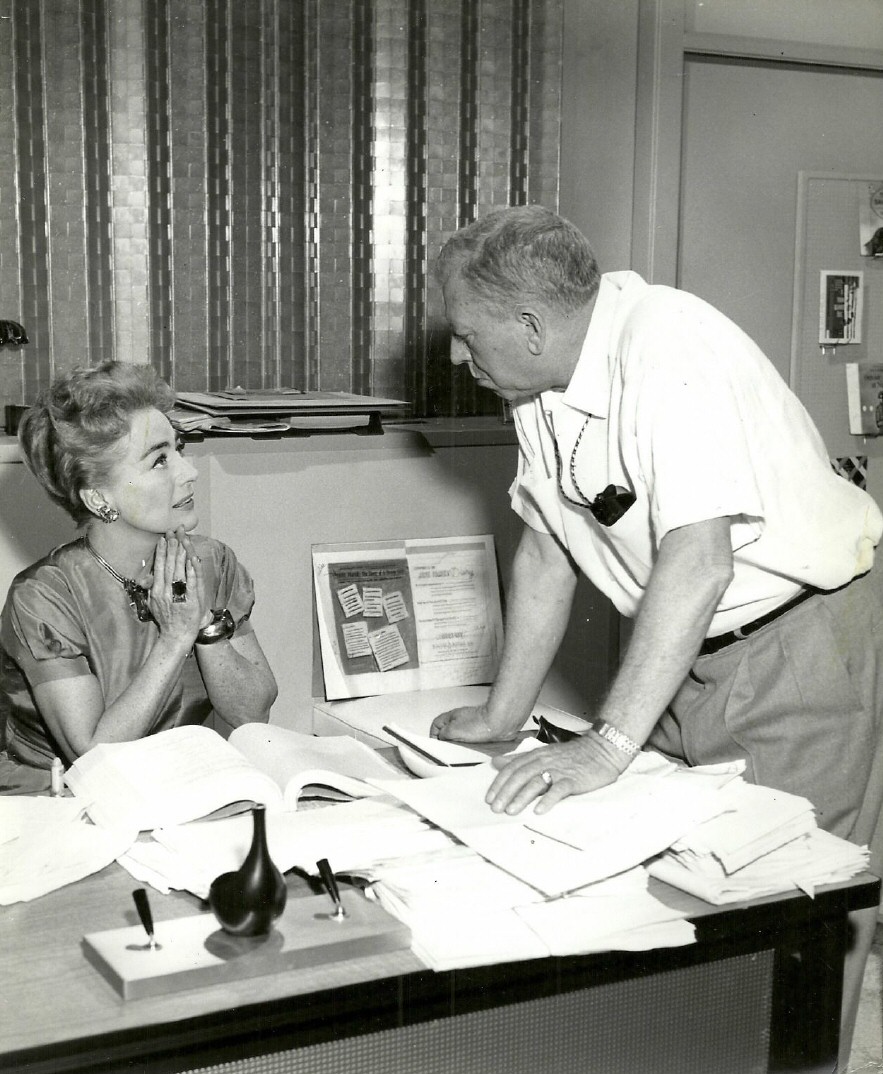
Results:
x,y
833,221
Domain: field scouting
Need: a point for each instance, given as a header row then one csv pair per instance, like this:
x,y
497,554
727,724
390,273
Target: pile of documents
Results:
x,y
477,887
765,842
474,886
353,836
464,911
585,838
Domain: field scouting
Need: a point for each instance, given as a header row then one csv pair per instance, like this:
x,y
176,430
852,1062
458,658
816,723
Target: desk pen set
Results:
x,y
261,931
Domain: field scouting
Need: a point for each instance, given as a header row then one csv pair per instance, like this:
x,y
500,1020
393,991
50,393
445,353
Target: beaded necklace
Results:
x,y
609,505
584,501
138,594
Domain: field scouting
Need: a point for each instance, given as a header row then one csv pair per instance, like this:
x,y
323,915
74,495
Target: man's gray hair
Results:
x,y
522,252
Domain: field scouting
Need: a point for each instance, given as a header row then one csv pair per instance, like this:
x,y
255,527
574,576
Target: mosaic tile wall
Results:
x,y
253,192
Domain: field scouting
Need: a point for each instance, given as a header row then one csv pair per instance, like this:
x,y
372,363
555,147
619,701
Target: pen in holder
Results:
x,y
142,905
330,882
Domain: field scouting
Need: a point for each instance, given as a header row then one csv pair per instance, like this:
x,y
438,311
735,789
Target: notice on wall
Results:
x,y
864,393
840,306
407,615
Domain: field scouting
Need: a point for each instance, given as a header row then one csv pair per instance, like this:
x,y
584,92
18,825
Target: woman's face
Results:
x,y
150,483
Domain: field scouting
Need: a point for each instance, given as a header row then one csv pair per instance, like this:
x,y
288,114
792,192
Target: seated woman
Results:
x,y
138,625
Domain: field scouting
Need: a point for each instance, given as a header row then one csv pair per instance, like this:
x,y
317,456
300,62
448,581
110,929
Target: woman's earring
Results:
x,y
107,513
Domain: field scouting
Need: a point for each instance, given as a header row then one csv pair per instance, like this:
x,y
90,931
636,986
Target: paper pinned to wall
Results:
x,y
407,615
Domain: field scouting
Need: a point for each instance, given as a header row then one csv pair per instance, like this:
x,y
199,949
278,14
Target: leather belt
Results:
x,y
721,641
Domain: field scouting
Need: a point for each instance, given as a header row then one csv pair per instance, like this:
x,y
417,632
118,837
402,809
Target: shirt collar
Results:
x,y
589,387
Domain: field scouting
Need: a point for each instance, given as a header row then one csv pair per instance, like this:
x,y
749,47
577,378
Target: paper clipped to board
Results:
x,y
407,615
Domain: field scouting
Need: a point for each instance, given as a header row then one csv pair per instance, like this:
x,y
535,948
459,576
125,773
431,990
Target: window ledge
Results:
x,y
459,432
486,431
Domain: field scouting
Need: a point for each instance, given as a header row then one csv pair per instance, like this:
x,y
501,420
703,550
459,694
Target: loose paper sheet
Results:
x,y
407,615
585,838
46,843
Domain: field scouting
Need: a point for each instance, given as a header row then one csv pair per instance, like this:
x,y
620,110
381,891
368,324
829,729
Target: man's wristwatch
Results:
x,y
617,738
220,628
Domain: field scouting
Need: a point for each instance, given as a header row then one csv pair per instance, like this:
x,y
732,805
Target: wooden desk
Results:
x,y
759,991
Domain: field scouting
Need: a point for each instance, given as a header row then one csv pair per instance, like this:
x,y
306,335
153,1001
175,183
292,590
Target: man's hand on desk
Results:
x,y
553,773
470,723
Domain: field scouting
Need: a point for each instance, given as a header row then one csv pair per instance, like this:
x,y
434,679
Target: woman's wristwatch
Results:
x,y
220,628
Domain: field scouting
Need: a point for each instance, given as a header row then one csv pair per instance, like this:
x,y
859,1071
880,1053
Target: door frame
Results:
x,y
664,43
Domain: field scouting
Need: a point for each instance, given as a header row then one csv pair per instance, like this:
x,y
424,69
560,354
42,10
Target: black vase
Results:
x,y
247,902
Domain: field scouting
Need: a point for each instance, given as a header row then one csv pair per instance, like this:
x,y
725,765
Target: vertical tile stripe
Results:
x,y
414,374
544,116
291,46
270,371
520,82
33,194
363,110
161,265
220,356
467,195
247,193
96,162
313,182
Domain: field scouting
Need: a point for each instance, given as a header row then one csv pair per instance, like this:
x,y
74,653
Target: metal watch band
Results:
x,y
219,629
619,739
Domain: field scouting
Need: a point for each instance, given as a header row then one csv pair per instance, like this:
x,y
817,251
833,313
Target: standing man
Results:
x,y
662,456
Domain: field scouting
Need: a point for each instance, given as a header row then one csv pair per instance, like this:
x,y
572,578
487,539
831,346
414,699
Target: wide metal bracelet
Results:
x,y
219,629
618,738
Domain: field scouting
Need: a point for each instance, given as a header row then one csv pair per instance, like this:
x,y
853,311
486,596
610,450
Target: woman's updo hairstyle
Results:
x,y
67,436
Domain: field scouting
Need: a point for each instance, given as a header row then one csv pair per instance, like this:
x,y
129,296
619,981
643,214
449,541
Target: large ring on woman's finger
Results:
x,y
546,777
179,591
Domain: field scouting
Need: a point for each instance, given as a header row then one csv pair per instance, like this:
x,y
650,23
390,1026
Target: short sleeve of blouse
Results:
x,y
41,631
233,585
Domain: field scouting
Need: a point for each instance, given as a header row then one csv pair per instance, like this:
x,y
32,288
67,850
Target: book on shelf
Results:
x,y
187,773
864,394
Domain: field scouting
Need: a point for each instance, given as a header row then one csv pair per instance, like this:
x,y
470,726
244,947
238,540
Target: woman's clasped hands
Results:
x,y
177,599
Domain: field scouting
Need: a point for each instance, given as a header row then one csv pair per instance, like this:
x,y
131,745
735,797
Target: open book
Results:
x,y
190,772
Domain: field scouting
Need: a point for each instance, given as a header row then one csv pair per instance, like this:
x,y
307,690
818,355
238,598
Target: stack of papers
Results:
x,y
47,843
766,842
463,911
477,887
586,838
353,836
189,420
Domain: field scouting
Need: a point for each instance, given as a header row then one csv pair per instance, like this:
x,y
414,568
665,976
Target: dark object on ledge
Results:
x,y
12,334
13,414
247,902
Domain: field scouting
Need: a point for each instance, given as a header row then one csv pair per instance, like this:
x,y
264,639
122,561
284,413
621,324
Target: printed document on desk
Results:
x,y
407,615
642,814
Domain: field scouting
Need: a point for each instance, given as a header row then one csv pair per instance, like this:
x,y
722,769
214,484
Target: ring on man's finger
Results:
x,y
546,777
179,591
